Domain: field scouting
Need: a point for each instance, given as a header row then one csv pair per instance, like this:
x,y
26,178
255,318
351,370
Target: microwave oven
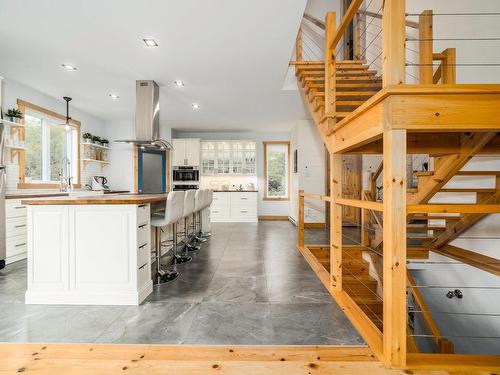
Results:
x,y
186,174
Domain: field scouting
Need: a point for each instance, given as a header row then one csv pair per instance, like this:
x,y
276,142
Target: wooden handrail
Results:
x,y
315,21
412,24
369,205
348,16
443,344
320,197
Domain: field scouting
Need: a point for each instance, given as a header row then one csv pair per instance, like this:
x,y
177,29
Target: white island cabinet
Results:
x,y
89,254
234,207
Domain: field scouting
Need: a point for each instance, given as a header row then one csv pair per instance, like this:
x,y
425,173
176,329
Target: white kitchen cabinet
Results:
x,y
234,206
225,158
186,152
89,254
15,230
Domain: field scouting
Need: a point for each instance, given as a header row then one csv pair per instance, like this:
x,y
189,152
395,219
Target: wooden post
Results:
x,y
365,223
394,235
357,36
330,70
449,67
300,226
336,221
298,46
425,47
393,42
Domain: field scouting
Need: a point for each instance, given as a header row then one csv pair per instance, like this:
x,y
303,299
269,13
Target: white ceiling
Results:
x,y
232,55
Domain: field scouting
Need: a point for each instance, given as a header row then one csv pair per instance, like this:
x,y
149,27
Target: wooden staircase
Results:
x,y
354,85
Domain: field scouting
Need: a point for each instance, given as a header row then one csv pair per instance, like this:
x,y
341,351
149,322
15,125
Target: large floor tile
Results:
x,y
237,289
297,289
233,268
312,324
232,323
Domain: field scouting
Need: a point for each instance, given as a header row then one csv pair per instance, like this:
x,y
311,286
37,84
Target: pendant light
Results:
x,y
67,125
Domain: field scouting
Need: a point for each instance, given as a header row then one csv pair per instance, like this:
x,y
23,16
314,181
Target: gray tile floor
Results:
x,y
247,285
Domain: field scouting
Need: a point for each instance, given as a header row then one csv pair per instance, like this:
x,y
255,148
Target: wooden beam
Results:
x,y
300,225
370,205
298,46
449,66
454,363
330,69
320,197
425,56
393,42
411,24
483,262
314,20
394,248
336,222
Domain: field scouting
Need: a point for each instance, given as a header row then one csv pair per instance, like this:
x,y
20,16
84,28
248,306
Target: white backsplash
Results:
x,y
206,182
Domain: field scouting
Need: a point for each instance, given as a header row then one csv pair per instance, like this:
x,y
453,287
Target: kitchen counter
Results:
x,y
108,199
236,191
22,195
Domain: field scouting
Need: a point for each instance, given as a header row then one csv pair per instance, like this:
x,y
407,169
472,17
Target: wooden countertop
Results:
x,y
52,194
101,199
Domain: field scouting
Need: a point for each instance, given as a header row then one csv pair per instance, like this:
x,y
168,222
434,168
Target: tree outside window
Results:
x,y
277,170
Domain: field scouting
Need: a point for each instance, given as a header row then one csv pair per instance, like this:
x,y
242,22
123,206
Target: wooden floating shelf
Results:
x,y
95,145
11,123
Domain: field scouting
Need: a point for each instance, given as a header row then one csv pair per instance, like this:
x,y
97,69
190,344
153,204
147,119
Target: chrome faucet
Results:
x,y
65,180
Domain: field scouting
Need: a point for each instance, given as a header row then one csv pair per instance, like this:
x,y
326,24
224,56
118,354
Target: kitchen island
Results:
x,y
90,250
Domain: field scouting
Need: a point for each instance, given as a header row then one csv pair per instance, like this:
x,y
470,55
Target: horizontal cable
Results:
x,y
454,313
453,287
459,64
449,39
454,14
456,336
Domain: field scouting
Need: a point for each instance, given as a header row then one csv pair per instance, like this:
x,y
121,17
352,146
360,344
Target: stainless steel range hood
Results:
x,y
147,117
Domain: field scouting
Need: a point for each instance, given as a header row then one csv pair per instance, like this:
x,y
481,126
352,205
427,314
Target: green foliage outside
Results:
x,y
276,173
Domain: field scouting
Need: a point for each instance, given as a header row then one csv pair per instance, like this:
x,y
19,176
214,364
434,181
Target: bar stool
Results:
x,y
199,204
203,211
189,204
173,212
208,203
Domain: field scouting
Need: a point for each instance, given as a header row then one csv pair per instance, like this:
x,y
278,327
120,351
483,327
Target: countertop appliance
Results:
x,y
99,183
184,174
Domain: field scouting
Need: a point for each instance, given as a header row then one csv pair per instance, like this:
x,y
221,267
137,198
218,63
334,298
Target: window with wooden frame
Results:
x,y
48,141
277,170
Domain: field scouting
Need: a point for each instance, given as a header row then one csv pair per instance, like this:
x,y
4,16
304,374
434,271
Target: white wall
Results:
x,y
310,175
278,208
12,90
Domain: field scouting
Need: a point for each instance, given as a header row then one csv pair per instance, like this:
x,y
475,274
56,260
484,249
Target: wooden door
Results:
x,y
351,187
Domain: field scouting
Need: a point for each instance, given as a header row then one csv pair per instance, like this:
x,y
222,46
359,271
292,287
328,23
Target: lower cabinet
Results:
x,y
95,254
234,206
15,231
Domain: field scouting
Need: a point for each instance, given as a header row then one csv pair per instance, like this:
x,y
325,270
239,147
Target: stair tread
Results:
x,y
467,190
423,173
478,173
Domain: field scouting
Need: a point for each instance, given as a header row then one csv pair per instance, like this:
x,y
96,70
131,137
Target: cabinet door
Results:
x,y
237,157
223,157
193,152
249,164
207,157
179,153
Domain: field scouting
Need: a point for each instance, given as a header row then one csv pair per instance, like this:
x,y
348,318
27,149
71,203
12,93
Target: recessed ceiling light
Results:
x,y
114,96
68,67
179,83
195,106
150,42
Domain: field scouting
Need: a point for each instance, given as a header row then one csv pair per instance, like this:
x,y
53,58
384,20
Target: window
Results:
x,y
277,170
48,144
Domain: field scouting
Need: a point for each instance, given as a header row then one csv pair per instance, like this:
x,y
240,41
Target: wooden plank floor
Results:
x,y
96,359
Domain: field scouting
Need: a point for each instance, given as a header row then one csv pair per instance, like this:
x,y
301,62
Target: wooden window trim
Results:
x,y
22,105
266,197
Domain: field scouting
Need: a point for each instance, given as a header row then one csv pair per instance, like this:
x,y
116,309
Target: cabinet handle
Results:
x,y
142,226
19,207
20,244
144,265
244,211
215,212
142,246
142,206
244,199
19,226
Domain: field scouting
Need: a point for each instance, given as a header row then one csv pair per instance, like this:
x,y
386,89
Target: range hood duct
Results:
x,y
147,117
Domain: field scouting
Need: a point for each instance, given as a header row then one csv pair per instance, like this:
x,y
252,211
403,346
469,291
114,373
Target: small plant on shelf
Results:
x,y
14,114
96,139
87,137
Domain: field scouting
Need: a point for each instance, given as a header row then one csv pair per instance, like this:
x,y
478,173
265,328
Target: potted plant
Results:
x,y
104,142
96,139
87,137
14,114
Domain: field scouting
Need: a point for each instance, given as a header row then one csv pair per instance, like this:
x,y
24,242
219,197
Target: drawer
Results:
x,y
243,198
142,214
221,198
244,212
143,274
15,226
220,210
14,208
143,234
143,254
16,245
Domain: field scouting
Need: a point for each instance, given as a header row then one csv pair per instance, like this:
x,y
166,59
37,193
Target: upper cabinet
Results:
x,y
228,158
186,152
